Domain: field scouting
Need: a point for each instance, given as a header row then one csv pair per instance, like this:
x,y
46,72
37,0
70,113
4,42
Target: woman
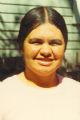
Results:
x,y
39,93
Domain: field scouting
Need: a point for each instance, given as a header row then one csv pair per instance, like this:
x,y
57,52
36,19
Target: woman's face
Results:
x,y
43,49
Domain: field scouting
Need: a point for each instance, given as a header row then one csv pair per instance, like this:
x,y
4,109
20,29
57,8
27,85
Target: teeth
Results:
x,y
45,59
44,62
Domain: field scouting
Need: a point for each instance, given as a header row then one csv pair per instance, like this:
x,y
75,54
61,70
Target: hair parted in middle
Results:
x,y
38,16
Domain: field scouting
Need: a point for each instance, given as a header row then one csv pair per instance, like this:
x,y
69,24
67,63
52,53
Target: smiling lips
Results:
x,y
44,61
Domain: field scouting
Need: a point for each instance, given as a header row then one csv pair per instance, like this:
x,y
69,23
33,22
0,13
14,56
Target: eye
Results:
x,y
55,42
36,41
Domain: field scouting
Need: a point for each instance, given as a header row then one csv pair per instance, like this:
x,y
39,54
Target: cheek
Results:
x,y
58,52
30,51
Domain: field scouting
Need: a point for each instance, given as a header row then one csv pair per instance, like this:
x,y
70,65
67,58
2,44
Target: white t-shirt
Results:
x,y
21,102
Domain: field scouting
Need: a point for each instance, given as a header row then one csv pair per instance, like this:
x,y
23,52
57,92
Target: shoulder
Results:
x,y
9,80
68,80
9,83
71,84
70,88
7,87
71,81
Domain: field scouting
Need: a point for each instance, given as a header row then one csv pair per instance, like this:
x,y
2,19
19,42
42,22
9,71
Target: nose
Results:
x,y
46,51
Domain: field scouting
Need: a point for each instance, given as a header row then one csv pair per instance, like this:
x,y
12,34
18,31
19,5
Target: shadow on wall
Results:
x,y
77,15
8,37
10,66
9,32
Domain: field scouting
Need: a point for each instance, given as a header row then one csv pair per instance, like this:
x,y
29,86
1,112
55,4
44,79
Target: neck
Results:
x,y
41,81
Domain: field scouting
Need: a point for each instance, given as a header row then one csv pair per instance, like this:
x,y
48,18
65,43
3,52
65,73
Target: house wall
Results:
x,y
11,12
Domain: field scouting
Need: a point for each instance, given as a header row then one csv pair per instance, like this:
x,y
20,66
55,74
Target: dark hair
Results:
x,y
36,17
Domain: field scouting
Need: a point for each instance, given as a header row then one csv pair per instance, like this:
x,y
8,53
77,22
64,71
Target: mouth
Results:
x,y
44,61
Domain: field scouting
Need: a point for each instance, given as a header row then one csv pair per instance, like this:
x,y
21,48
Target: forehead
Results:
x,y
46,30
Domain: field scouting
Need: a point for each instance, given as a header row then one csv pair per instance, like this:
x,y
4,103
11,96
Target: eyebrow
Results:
x,y
32,40
56,41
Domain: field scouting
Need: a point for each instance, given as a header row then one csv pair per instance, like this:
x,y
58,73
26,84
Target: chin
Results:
x,y
42,70
44,73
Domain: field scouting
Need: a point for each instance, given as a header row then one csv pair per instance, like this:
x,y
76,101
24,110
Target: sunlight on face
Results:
x,y
43,49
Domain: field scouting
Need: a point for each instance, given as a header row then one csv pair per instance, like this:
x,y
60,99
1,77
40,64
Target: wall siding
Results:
x,y
11,12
